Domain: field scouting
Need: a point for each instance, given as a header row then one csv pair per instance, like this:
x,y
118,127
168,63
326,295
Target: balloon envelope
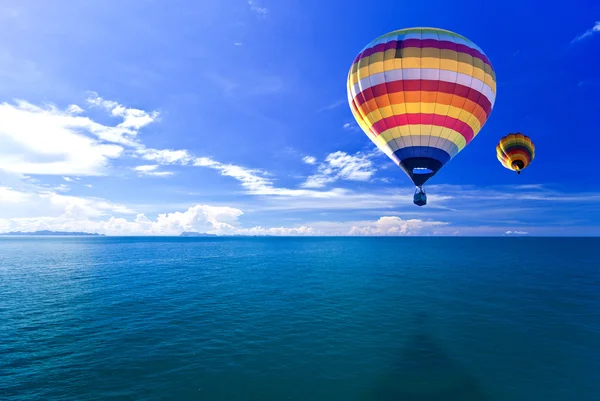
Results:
x,y
421,95
515,151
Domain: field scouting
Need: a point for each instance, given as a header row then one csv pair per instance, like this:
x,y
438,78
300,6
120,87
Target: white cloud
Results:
x,y
197,218
394,225
74,206
260,12
346,200
351,126
38,202
132,118
59,212
341,166
89,185
49,141
40,208
74,109
146,168
166,156
201,218
237,43
62,188
36,140
251,179
77,142
256,181
80,214
593,30
309,160
304,230
152,170
9,195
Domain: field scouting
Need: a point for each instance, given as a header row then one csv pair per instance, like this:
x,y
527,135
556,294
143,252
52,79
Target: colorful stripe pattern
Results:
x,y
421,95
515,151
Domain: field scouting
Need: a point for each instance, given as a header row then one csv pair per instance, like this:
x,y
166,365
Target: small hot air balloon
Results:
x,y
421,95
515,151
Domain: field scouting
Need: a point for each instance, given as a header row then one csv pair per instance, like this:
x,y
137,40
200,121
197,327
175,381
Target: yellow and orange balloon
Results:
x,y
515,151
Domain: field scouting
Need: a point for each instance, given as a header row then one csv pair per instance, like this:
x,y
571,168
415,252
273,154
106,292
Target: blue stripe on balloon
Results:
x,y
423,151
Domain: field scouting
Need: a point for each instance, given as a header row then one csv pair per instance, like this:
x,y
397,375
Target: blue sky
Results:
x,y
154,117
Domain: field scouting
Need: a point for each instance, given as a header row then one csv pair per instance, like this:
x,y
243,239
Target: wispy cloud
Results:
x,y
61,188
237,43
165,156
352,126
593,30
333,105
266,85
74,109
257,182
261,12
531,192
48,134
225,83
68,179
304,230
132,118
249,85
309,160
152,170
38,202
516,232
341,166
9,195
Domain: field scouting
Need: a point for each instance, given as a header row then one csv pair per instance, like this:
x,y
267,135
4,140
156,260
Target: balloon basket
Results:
x,y
420,198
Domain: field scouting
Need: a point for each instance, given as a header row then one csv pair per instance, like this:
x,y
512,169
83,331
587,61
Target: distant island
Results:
x,y
53,233
195,234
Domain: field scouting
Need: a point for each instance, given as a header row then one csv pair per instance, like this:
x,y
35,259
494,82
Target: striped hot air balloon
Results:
x,y
515,151
421,95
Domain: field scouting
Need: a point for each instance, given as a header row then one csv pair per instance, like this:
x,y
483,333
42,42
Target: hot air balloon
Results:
x,y
421,95
515,151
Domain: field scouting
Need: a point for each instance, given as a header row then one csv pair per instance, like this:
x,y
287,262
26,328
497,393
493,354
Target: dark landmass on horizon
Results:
x,y
196,234
53,233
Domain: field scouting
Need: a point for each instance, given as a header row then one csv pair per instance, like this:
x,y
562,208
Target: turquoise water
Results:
x,y
311,319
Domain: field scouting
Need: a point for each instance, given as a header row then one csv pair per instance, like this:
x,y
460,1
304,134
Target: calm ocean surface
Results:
x,y
311,319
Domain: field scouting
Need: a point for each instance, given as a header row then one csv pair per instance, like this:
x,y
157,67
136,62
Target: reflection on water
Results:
x,y
423,371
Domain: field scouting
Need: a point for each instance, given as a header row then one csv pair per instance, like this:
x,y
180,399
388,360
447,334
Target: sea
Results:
x,y
305,319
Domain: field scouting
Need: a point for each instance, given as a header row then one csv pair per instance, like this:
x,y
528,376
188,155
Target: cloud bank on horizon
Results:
x,y
142,132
